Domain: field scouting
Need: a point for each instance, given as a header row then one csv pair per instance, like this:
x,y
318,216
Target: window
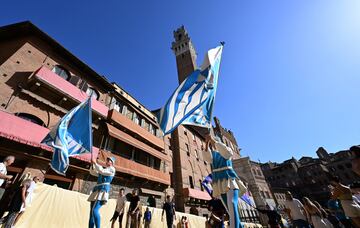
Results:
x,y
151,129
118,147
259,172
136,118
262,194
118,106
171,180
254,172
191,182
129,114
91,91
158,133
145,125
187,149
31,118
185,132
61,71
267,195
197,155
201,186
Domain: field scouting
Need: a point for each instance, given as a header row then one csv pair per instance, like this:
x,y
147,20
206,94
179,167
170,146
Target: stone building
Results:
x,y
227,136
310,176
251,172
40,81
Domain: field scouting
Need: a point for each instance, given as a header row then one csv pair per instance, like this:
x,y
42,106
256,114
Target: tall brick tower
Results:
x,y
184,52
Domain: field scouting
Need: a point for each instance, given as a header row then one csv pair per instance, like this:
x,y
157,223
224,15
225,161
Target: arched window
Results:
x,y
62,72
31,118
95,94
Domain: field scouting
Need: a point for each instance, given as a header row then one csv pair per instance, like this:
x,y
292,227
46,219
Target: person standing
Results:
x,y
349,204
147,218
169,209
134,209
119,209
225,182
335,209
314,214
29,193
18,201
100,193
274,218
9,160
296,212
151,201
218,212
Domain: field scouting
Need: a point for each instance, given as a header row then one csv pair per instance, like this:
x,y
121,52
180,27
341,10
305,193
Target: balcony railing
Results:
x,y
135,128
133,168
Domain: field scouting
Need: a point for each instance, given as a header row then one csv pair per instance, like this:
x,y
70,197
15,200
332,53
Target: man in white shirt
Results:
x,y
9,160
119,210
295,210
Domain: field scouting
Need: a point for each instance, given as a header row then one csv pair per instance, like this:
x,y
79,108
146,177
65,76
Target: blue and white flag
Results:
x,y
206,183
192,102
71,136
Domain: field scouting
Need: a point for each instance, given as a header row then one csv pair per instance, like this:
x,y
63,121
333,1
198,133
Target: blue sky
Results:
x,y
289,79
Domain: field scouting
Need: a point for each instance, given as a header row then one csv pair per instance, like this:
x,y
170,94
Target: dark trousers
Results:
x,y
169,221
116,215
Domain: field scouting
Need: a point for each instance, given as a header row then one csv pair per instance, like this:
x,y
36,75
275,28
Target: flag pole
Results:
x,y
90,124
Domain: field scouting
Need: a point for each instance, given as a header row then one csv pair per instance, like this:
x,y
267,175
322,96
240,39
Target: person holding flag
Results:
x,y
100,193
226,184
72,136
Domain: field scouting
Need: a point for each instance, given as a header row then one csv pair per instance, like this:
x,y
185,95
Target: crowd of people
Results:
x,y
341,210
20,195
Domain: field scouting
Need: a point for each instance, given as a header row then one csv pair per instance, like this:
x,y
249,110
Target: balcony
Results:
x,y
135,128
55,82
127,166
124,137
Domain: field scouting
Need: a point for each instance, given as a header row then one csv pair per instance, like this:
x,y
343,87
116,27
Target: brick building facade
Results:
x,y
40,81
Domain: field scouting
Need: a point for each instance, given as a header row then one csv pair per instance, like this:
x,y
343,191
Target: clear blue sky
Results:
x,y
290,74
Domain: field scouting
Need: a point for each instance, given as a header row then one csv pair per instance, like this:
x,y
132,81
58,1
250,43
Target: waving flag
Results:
x,y
246,198
206,183
71,136
192,102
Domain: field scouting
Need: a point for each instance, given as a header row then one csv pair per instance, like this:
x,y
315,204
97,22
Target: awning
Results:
x,y
196,194
52,80
114,132
16,129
